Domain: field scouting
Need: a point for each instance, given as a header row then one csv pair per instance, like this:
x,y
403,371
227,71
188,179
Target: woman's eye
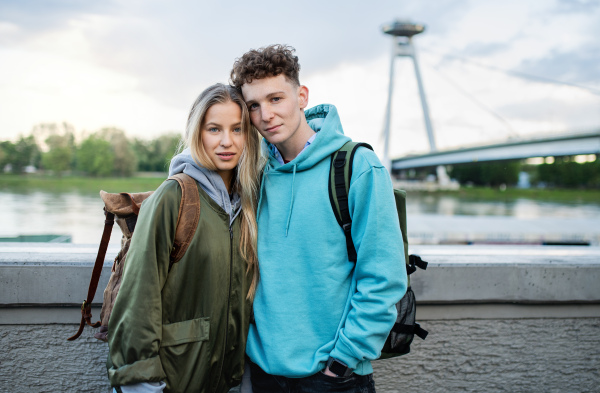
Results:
x,y
238,130
213,129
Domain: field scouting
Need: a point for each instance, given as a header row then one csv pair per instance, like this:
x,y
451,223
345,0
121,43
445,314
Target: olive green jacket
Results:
x,y
186,326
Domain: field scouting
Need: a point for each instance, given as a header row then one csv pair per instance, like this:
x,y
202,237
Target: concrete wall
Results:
x,y
518,319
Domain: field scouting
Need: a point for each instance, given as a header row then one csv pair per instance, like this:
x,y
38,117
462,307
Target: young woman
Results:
x,y
182,328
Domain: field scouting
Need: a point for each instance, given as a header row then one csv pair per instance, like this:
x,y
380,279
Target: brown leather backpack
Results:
x,y
126,207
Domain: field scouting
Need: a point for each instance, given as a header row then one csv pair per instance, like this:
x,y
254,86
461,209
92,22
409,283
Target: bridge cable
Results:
x,y
518,74
477,102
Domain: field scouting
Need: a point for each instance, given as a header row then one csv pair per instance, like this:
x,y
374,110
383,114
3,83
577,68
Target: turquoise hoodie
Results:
x,y
311,302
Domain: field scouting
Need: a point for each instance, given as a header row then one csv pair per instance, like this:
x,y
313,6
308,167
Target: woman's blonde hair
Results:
x,y
247,172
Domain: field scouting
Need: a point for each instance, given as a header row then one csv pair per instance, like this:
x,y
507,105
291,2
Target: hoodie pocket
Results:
x,y
185,332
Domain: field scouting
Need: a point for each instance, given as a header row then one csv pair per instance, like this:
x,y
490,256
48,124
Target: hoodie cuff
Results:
x,y
341,353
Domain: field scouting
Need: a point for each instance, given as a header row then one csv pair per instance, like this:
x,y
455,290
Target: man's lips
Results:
x,y
271,129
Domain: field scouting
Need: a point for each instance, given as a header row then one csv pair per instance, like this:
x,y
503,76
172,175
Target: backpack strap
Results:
x,y
86,307
340,174
189,215
124,203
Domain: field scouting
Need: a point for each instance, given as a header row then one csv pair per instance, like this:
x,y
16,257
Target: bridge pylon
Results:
x,y
402,46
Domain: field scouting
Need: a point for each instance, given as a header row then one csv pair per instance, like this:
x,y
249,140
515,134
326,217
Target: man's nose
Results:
x,y
266,113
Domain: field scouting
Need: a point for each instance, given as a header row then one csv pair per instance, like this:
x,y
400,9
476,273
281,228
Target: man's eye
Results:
x,y
253,107
275,99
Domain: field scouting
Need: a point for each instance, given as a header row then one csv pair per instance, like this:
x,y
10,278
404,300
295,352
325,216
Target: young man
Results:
x,y
320,319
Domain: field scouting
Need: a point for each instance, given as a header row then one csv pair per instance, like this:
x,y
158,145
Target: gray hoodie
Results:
x,y
210,181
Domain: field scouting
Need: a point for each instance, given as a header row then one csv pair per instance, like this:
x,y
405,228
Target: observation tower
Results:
x,y
402,33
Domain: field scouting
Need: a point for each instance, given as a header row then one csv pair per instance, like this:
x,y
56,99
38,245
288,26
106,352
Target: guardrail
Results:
x,y
501,318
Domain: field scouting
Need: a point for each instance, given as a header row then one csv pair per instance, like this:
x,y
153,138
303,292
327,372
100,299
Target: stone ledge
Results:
x,y
425,312
59,274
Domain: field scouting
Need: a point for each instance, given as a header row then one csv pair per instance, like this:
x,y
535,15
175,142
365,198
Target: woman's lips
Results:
x,y
226,156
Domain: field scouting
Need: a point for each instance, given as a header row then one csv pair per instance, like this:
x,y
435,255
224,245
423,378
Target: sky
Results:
x,y
492,70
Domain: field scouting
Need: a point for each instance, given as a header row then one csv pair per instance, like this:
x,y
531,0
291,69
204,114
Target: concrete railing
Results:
x,y
501,318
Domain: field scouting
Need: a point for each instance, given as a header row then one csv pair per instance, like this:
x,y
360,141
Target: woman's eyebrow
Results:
x,y
212,123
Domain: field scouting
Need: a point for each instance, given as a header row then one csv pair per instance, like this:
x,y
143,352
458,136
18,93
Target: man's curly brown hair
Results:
x,y
265,62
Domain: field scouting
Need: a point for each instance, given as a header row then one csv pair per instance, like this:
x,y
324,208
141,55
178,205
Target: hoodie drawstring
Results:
x,y
287,226
260,193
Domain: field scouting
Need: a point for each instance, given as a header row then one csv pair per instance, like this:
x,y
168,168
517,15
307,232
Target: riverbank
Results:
x,y
147,182
569,196
86,185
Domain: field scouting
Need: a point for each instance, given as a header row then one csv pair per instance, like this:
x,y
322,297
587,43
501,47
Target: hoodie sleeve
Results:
x,y
380,271
135,325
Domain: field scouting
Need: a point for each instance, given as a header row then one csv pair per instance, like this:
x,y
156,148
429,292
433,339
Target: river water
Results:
x,y
432,218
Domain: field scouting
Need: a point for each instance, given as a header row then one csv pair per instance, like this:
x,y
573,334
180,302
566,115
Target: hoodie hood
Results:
x,y
210,181
324,120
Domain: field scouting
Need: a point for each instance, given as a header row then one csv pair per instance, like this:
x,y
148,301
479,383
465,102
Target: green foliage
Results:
x,y
20,154
95,156
59,157
487,173
7,151
155,155
107,152
125,160
565,172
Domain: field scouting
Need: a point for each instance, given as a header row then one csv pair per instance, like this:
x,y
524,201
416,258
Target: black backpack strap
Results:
x,y
415,329
340,174
414,262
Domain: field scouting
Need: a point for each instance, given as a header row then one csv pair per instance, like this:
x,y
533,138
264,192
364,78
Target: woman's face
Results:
x,y
222,137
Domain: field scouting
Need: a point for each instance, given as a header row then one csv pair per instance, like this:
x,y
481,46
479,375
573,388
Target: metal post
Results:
x,y
428,125
388,113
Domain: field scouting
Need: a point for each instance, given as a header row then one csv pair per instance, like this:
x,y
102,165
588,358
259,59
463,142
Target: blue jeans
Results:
x,y
316,383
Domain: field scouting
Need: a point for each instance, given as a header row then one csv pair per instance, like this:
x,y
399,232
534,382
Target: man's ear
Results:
x,y
303,96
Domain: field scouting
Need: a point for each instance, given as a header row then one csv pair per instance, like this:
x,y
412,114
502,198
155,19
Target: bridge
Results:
x,y
563,145
402,33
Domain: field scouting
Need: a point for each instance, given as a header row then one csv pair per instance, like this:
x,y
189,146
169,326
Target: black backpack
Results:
x,y
405,328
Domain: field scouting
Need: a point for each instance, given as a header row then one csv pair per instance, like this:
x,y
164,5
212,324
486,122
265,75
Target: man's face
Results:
x,y
275,107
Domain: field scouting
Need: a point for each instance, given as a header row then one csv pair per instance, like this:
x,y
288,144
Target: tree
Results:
x,y
155,155
95,156
59,157
164,148
21,154
487,173
7,151
125,160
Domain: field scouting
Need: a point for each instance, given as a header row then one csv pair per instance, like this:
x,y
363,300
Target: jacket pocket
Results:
x,y
185,332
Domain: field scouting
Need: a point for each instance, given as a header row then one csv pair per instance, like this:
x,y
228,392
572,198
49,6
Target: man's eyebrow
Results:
x,y
270,95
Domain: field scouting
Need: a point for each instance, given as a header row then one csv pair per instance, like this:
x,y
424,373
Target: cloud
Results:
x,y
37,16
578,6
139,65
483,49
578,66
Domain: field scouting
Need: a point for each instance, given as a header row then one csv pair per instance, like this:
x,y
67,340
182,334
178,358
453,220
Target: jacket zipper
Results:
x,y
228,304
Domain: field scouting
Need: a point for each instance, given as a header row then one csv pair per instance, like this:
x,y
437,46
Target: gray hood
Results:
x,y
210,181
